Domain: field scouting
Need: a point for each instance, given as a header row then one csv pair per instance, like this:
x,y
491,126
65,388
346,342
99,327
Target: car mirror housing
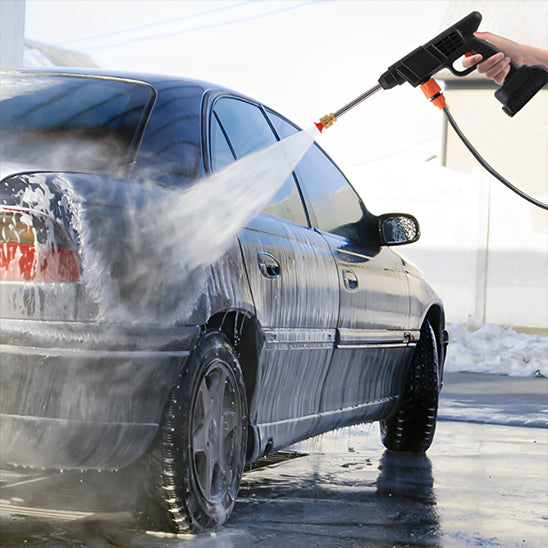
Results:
x,y
398,229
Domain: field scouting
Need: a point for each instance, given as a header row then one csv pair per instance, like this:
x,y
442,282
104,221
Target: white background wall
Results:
x,y
516,257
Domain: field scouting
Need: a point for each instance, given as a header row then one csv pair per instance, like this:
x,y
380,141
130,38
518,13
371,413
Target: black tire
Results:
x,y
196,462
412,427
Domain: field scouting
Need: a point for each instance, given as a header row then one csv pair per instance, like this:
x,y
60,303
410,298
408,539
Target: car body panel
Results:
x,y
373,322
296,301
83,394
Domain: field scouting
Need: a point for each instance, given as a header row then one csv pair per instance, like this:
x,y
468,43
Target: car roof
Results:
x,y
148,78
164,86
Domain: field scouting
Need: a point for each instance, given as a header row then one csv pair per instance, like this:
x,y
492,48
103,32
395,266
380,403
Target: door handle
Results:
x,y
350,279
268,264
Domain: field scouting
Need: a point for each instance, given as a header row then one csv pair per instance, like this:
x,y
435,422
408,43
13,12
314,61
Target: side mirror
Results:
x,y
398,229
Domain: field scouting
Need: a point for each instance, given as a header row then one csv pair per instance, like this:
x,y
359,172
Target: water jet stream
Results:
x,y
209,214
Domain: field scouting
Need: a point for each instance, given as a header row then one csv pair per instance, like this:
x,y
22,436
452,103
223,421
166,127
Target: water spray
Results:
x,y
418,67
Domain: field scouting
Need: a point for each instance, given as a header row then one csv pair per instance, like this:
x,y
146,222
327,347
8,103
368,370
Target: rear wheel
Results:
x,y
196,463
412,427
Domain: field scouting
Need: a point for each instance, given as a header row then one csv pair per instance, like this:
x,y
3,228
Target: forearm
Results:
x,y
532,55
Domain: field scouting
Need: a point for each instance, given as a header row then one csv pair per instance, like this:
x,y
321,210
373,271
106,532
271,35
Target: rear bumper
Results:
x,y
84,395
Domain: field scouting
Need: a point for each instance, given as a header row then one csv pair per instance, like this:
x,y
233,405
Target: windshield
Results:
x,y
71,122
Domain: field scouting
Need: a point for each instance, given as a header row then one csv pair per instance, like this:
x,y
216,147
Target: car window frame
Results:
x,y
311,219
310,200
208,105
305,196
367,216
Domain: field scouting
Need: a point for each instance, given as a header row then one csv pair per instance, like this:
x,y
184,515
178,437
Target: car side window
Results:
x,y
221,155
336,205
244,129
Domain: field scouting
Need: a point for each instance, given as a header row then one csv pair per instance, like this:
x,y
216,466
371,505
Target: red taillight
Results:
x,y
33,247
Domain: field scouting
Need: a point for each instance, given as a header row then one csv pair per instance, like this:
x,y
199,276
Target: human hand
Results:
x,y
495,67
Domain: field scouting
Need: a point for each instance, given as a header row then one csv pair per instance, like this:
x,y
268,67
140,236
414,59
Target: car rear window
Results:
x,y
77,123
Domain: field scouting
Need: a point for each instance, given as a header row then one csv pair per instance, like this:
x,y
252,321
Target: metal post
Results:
x,y
12,33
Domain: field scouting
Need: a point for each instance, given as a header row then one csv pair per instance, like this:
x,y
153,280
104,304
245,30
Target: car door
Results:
x,y
293,281
373,325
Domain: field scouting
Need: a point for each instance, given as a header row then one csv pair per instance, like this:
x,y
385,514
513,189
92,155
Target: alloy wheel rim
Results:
x,y
216,431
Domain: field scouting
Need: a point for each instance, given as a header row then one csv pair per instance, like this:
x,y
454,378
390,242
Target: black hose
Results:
x,y
480,159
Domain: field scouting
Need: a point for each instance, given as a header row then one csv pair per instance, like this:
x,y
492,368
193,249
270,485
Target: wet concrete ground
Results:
x,y
484,482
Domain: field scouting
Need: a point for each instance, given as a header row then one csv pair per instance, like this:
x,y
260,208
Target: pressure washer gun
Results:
x,y
417,68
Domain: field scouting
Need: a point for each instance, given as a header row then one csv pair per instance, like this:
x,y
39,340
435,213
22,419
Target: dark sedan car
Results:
x,y
124,343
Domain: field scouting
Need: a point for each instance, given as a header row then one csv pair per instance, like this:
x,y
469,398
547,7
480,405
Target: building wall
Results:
x,y
12,30
515,271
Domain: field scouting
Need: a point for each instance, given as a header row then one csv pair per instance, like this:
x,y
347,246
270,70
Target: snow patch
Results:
x,y
478,347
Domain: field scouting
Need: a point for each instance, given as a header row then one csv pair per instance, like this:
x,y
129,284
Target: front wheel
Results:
x,y
412,427
195,465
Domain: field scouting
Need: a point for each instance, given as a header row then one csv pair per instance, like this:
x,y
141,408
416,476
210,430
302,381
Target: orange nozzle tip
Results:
x,y
319,125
